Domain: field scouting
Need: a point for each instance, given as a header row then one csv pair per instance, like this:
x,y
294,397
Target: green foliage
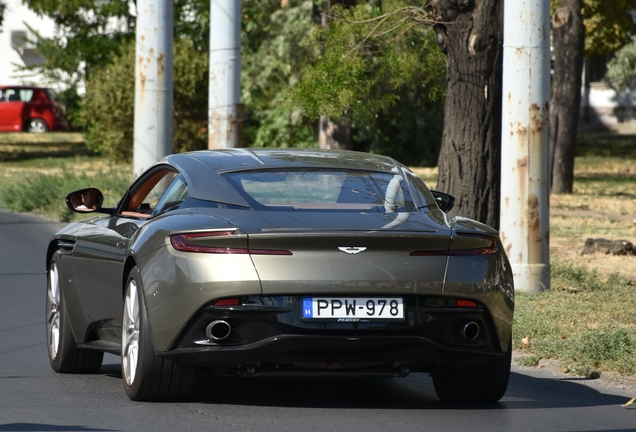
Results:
x,y
583,321
91,33
607,27
108,107
277,42
27,195
622,68
86,38
380,68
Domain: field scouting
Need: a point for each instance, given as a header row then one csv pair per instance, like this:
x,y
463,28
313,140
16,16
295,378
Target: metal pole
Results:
x,y
225,127
153,83
525,224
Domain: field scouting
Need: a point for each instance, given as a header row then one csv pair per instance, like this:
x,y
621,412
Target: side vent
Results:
x,y
66,246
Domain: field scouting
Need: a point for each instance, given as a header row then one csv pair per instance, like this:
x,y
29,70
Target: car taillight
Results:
x,y
181,242
465,303
228,302
485,250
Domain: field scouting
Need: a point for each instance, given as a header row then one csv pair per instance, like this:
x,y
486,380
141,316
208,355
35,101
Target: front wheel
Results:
x,y
147,377
37,125
483,382
64,355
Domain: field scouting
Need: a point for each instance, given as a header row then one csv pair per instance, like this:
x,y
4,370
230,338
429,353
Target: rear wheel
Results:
x,y
147,377
64,355
483,382
37,125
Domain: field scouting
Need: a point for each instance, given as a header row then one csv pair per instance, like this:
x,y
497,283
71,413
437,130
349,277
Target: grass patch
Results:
x,y
584,321
40,185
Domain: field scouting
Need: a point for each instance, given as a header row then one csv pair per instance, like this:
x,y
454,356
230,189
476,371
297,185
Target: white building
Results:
x,y
602,107
15,48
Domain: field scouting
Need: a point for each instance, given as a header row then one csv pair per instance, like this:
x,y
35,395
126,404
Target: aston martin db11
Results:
x,y
253,262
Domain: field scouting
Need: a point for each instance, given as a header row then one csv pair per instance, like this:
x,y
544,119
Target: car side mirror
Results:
x,y
444,201
85,200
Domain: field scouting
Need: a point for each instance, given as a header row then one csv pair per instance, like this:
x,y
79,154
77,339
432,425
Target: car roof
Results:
x,y
20,86
202,169
239,159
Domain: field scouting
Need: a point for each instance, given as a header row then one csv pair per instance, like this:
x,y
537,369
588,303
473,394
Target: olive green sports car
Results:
x,y
252,262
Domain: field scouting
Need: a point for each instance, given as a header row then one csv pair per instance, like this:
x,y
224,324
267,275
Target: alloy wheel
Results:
x,y
130,333
53,312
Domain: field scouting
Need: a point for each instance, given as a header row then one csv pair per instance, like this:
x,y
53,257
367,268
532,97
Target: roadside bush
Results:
x,y
109,106
27,196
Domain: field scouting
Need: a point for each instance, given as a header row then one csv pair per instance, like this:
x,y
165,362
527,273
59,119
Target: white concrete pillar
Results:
x,y
525,178
225,122
153,83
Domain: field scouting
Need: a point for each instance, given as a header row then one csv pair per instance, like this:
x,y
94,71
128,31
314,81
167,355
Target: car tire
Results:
x,y
483,382
37,125
64,355
147,377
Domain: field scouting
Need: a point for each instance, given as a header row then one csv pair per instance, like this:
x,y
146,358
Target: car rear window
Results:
x,y
341,190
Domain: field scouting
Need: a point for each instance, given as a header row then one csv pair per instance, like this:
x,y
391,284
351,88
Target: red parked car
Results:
x,y
31,109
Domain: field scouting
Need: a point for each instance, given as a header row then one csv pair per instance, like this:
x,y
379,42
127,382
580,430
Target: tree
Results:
x,y
277,42
90,34
108,108
470,33
621,70
568,36
379,70
606,29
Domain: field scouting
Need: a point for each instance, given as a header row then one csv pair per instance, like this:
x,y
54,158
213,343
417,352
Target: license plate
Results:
x,y
353,309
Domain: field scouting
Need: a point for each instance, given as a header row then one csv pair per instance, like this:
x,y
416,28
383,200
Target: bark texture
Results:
x,y
470,33
568,35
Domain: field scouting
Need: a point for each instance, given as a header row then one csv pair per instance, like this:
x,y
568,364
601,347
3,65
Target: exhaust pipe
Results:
x,y
470,331
218,330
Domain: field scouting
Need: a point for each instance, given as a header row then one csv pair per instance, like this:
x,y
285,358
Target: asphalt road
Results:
x,y
34,398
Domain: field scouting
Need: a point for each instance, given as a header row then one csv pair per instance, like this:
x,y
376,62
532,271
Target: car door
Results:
x,y
11,108
101,249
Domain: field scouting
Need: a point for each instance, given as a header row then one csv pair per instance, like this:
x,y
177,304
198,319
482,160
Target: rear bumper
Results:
x,y
271,330
341,352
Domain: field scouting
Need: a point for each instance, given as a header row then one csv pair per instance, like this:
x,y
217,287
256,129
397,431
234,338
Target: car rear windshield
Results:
x,y
323,190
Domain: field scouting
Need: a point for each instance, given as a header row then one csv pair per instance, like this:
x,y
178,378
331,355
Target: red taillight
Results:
x,y
181,243
488,250
465,303
228,302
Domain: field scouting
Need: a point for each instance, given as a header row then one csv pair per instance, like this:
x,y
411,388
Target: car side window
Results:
x,y
144,196
422,195
174,195
11,95
26,95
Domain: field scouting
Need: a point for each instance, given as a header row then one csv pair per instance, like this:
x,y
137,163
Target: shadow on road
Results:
x,y
413,392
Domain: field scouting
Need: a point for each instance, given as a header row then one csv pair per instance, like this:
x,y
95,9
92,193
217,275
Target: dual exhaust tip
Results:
x,y
469,331
218,330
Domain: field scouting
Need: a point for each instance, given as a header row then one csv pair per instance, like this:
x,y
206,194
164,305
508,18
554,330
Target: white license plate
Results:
x,y
353,309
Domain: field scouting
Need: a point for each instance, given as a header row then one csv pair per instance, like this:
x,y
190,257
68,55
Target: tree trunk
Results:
x,y
568,35
332,135
471,36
